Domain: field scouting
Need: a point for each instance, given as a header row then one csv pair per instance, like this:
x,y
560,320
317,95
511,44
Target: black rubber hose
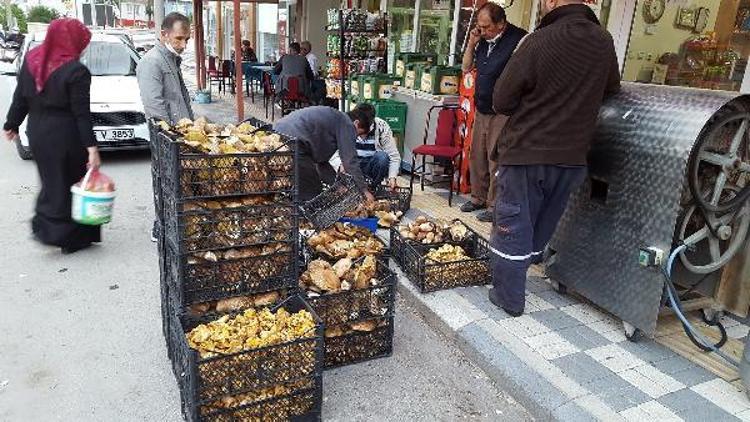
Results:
x,y
722,330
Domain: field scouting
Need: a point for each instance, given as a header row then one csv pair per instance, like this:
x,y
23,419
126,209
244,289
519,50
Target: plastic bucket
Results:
x,y
202,97
91,208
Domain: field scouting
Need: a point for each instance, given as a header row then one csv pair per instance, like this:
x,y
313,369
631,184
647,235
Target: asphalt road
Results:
x,y
80,335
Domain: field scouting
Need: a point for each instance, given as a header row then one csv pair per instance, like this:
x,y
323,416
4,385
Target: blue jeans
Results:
x,y
375,168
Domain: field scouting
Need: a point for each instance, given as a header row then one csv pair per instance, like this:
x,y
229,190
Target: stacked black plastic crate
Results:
x,y
358,321
229,242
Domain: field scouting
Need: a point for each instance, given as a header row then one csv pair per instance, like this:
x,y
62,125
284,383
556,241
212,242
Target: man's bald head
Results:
x,y
550,5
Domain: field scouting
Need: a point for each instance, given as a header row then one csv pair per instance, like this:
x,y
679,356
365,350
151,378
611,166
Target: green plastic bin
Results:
x,y
440,80
393,112
378,87
413,74
404,59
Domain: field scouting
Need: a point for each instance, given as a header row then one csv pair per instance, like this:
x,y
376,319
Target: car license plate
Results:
x,y
113,135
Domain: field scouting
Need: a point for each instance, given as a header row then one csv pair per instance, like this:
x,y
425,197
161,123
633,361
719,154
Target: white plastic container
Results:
x,y
91,208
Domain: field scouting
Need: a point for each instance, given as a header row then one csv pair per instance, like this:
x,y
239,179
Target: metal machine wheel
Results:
x,y
720,163
723,241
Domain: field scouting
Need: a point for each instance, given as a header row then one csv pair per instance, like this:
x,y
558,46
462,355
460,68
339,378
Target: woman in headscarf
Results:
x,y
53,90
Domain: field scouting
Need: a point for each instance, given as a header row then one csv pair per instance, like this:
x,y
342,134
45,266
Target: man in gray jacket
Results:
x,y
163,92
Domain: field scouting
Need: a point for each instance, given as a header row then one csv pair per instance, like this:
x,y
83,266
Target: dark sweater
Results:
x,y
553,87
322,131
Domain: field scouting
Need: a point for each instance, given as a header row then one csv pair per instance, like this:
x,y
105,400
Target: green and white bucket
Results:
x,y
91,208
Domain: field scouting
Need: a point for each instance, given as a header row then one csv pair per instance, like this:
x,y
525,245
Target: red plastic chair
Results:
x,y
215,76
293,97
269,93
444,148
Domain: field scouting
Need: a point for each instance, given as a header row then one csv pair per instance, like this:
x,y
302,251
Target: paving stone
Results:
x,y
573,412
532,390
723,395
556,299
584,337
533,300
693,376
651,381
615,358
537,285
524,326
674,364
477,296
616,392
550,345
582,368
555,319
648,350
585,313
692,407
650,411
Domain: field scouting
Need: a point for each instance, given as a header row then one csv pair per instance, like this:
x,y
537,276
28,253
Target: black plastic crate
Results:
x,y
189,174
375,304
398,243
154,129
196,227
193,280
400,198
354,305
249,375
360,346
335,200
430,276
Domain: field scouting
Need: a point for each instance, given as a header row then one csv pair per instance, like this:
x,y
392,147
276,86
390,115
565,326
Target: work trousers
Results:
x,y
485,135
375,167
530,200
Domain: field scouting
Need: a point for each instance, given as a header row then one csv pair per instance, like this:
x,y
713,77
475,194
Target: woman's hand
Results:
x,y
10,135
94,160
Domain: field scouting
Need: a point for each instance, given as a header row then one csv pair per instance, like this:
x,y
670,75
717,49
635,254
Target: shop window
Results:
x,y
435,20
701,44
401,16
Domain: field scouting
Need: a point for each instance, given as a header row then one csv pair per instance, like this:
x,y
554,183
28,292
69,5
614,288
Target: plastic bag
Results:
x,y
96,181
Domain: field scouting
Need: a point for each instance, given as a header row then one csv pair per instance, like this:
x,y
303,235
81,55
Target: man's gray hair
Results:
x,y
172,18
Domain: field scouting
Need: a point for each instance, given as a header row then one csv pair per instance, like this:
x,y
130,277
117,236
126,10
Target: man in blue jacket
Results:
x,y
490,46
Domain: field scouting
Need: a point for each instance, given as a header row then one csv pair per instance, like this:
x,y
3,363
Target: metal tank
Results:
x,y
668,165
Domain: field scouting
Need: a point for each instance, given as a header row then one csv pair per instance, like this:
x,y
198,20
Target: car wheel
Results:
x,y
23,152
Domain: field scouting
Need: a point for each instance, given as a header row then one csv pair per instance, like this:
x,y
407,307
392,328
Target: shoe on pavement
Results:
x,y
492,294
470,206
485,216
155,233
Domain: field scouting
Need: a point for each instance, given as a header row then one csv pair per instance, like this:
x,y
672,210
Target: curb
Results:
x,y
545,391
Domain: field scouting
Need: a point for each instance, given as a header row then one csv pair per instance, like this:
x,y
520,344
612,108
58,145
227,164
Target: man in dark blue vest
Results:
x,y
491,43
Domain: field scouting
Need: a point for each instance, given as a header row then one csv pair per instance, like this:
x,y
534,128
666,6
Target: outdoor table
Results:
x,y
254,72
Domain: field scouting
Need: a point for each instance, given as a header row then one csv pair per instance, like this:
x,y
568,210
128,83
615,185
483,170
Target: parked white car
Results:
x,y
116,108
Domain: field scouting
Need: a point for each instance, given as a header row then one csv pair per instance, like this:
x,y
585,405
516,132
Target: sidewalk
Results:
x,y
564,359
567,360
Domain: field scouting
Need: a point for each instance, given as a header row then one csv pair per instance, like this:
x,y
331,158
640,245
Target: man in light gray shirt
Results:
x,y
163,92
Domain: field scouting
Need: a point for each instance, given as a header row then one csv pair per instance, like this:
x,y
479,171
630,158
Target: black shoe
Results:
x,y
492,294
155,232
67,250
485,216
470,206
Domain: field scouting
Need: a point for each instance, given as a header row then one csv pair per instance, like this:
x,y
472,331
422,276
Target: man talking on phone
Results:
x,y
491,43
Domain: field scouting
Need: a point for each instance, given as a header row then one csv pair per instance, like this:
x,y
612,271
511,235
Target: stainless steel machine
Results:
x,y
669,166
